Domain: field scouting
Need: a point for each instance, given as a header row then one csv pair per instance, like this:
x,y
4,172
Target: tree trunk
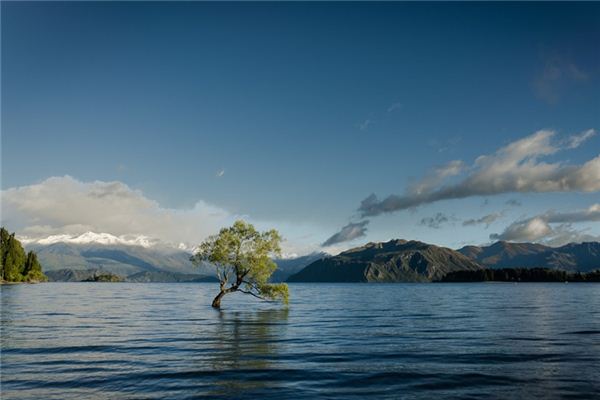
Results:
x,y
217,301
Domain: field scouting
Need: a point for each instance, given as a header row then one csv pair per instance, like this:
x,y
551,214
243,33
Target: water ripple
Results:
x,y
413,341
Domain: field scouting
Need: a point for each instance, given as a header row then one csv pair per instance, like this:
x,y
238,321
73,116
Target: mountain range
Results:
x,y
118,259
136,259
573,257
141,260
393,261
414,261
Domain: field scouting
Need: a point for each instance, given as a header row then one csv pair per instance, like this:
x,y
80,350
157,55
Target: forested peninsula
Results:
x,y
18,266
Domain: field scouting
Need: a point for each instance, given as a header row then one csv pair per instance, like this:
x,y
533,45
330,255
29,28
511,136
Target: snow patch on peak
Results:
x,y
288,256
95,238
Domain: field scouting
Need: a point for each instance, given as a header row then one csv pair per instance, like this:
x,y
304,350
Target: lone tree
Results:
x,y
242,258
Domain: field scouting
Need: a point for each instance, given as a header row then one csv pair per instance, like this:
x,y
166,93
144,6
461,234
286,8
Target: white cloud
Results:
x,y
515,168
66,206
554,228
577,140
68,210
530,230
591,214
438,175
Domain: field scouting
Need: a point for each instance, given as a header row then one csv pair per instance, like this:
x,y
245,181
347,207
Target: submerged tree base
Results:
x,y
216,303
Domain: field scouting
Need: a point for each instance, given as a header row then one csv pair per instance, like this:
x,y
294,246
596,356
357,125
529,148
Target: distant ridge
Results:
x,y
573,257
414,261
118,259
75,258
393,261
289,266
69,275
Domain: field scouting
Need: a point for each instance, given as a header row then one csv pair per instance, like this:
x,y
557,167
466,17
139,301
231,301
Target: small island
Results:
x,y
108,277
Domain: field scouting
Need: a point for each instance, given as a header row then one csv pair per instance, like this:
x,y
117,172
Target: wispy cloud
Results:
x,y
220,173
486,220
353,230
577,140
394,107
551,227
364,125
434,222
555,76
515,168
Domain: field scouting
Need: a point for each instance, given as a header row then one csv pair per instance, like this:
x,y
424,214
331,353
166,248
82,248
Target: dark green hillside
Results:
x,y
393,261
289,266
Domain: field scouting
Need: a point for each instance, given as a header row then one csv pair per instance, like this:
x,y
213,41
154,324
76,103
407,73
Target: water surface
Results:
x,y
155,341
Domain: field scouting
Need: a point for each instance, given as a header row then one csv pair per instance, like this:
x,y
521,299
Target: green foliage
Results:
x,y
242,257
16,265
276,291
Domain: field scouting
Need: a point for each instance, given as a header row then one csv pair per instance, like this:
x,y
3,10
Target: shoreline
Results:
x,y
2,282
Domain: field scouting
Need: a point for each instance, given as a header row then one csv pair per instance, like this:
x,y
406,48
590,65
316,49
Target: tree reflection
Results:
x,y
246,349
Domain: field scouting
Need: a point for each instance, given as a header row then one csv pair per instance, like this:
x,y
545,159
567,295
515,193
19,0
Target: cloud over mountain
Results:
x,y
353,230
552,227
515,168
67,206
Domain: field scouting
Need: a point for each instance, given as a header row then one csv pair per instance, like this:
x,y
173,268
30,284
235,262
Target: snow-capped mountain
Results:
x,y
131,255
123,255
105,239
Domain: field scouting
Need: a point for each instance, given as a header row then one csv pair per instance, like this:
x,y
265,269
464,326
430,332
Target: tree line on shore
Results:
x,y
521,275
17,265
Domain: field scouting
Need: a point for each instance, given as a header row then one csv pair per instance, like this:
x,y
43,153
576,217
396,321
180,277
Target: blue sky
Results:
x,y
291,114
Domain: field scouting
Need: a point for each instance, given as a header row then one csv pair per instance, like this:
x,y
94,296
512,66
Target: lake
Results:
x,y
158,341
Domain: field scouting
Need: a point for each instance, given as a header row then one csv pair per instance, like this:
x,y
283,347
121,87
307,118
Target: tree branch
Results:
x,y
255,295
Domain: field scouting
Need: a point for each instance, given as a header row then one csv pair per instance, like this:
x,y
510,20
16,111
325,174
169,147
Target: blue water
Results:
x,y
159,341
